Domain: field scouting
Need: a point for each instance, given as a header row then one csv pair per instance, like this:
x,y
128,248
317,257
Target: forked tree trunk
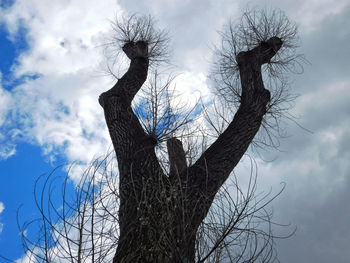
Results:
x,y
159,214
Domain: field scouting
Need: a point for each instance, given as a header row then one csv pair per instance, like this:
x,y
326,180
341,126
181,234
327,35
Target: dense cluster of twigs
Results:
x,y
254,28
126,30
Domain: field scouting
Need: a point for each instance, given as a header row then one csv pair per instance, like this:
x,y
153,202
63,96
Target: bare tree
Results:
x,y
176,207
146,192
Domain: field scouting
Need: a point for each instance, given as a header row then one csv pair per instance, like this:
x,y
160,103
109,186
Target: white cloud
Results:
x,y
7,147
316,168
191,86
5,103
310,14
2,207
59,110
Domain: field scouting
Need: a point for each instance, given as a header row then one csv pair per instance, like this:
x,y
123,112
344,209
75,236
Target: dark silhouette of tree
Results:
x,y
170,203
146,192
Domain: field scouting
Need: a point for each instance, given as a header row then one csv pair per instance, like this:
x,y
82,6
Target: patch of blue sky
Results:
x,y
197,110
88,135
18,176
6,3
140,109
166,122
10,50
167,119
11,47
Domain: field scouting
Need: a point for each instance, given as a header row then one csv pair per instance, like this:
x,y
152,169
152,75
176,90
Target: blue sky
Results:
x,y
51,68
8,54
19,171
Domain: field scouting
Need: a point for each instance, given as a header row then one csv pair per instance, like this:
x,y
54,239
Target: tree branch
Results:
x,y
127,134
212,169
177,157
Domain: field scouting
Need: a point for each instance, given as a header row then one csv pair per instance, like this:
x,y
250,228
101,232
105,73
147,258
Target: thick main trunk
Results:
x,y
159,215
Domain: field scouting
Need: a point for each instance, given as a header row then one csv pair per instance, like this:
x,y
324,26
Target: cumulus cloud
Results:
x,y
191,51
316,168
315,165
58,107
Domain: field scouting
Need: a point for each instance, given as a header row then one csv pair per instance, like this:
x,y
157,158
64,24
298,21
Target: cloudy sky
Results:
x,y
51,73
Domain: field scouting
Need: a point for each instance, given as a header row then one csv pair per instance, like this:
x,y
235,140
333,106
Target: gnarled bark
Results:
x,y
159,215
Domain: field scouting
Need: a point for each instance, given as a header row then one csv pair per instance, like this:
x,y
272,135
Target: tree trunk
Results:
x,y
159,215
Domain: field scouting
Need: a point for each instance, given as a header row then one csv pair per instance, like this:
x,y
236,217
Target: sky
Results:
x,y
51,74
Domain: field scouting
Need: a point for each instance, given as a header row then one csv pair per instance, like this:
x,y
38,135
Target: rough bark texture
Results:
x,y
159,215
